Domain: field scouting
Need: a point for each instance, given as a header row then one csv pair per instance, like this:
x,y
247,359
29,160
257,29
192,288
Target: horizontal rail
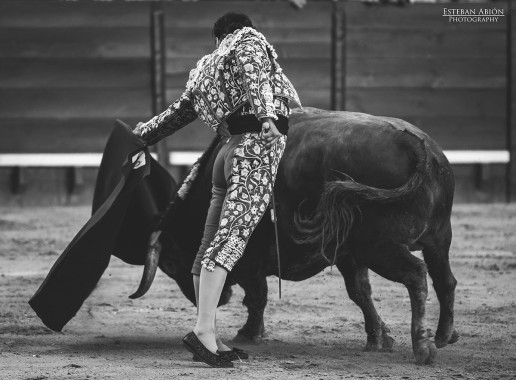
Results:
x,y
52,159
186,158
478,156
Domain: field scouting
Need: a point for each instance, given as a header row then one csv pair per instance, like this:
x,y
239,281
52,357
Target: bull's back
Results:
x,y
372,150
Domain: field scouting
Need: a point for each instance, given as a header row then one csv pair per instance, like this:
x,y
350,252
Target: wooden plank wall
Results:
x,y
511,107
68,68
449,79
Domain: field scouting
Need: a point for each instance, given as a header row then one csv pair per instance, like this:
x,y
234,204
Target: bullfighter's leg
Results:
x,y
356,278
210,288
250,176
436,253
255,300
221,346
396,263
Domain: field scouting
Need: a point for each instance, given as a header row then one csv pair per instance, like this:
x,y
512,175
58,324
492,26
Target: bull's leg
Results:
x,y
255,300
436,253
356,278
396,263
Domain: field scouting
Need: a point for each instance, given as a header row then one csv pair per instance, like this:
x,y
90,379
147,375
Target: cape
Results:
x,y
130,190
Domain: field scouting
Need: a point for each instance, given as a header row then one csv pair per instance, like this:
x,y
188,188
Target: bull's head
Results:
x,y
164,253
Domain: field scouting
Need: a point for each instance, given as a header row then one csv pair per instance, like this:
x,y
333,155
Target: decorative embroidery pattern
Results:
x,y
249,192
280,104
176,116
242,71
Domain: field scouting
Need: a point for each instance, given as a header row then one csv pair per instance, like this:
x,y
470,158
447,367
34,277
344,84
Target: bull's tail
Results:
x,y
330,222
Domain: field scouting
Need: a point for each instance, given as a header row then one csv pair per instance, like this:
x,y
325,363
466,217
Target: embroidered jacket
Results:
x,y
241,73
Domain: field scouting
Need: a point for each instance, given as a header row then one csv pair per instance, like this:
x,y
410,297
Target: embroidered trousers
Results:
x,y
244,173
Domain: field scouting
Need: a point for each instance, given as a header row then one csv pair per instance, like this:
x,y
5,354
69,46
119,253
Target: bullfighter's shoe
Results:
x,y
234,354
195,346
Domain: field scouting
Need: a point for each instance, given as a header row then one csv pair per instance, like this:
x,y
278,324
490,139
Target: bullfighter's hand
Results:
x,y
137,131
269,132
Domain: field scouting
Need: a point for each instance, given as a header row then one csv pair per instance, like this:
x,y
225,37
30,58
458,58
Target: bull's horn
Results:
x,y
151,265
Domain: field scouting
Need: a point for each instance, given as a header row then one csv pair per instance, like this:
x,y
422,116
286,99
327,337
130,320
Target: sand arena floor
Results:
x,y
314,332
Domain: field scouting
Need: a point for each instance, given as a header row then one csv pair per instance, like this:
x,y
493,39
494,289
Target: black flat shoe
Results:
x,y
233,354
240,353
195,346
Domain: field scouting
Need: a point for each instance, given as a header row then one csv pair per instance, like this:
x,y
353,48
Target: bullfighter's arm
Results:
x,y
251,55
176,116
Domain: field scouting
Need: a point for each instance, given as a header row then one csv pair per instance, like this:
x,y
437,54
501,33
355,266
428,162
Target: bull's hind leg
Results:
x,y
436,249
255,288
356,278
396,263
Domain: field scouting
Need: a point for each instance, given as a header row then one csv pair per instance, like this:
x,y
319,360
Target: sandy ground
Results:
x,y
314,331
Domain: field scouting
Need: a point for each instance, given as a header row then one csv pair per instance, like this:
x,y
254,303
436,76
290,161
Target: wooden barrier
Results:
x,y
68,69
449,79
511,102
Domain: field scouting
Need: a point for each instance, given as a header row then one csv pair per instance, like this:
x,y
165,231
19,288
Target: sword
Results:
x,y
274,220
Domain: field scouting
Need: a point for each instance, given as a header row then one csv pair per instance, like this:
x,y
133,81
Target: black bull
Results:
x,y
352,189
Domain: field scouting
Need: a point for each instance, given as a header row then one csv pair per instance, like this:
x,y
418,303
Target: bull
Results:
x,y
353,190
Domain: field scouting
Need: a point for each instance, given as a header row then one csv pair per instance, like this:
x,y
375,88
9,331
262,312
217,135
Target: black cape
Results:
x,y
127,202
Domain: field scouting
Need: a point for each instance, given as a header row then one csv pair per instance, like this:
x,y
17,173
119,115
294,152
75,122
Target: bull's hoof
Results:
x,y
454,337
441,342
382,343
243,339
387,343
426,353
372,346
